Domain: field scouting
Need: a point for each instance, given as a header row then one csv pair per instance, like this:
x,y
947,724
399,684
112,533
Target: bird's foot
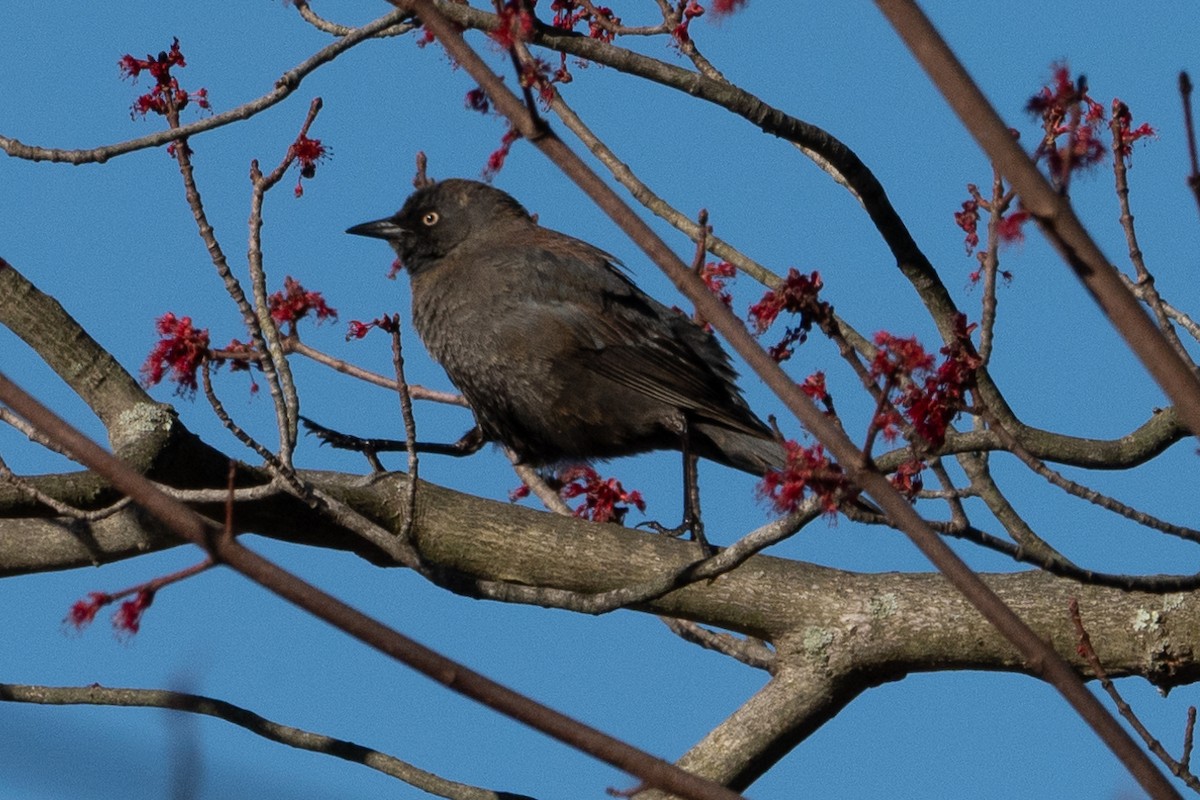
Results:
x,y
692,526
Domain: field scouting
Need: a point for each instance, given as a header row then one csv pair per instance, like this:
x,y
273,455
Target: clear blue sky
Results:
x,y
117,246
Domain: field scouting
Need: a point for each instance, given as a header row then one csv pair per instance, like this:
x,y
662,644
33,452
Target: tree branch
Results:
x,y
260,726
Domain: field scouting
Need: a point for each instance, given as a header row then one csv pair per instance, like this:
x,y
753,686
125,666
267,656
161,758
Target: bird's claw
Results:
x,y
694,527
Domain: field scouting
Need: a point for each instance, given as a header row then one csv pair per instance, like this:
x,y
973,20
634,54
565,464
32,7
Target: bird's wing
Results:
x,y
634,340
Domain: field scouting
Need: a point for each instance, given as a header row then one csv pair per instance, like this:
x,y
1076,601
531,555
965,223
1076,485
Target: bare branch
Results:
x,y
260,726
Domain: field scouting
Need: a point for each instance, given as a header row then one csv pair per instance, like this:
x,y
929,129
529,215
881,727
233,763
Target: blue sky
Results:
x,y
115,243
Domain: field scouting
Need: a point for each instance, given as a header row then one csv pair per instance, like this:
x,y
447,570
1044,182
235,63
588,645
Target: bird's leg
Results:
x,y
470,442
692,522
691,500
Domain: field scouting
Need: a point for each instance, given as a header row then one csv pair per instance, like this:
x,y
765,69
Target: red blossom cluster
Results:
x,y
386,323
294,303
968,219
515,24
569,13
605,499
242,357
167,93
930,398
1068,113
907,478
183,348
425,38
798,294
477,100
723,7
814,386
1072,140
809,470
1122,121
496,160
308,153
690,11
126,620
536,73
1009,228
716,274
180,351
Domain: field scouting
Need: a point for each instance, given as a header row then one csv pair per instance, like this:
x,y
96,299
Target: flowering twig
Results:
x,y
127,619
284,86
1123,134
266,333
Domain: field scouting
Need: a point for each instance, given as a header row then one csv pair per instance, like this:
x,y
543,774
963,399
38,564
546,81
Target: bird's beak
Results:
x,y
379,229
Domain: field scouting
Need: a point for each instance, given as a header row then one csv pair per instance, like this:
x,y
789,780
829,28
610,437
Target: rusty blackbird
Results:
x,y
560,356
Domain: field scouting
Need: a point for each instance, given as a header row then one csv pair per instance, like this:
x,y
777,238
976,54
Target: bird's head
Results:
x,y
438,218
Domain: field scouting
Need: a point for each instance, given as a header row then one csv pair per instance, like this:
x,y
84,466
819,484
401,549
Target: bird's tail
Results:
x,y
740,450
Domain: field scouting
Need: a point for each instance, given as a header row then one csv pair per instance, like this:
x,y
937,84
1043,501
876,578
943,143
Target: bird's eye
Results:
x,y
430,219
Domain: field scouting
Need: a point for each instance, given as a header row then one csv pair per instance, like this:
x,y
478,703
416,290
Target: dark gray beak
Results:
x,y
379,229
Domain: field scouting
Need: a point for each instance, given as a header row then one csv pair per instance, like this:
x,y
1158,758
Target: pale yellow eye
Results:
x,y
430,219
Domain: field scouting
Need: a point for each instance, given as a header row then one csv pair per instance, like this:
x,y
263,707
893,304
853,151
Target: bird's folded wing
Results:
x,y
654,350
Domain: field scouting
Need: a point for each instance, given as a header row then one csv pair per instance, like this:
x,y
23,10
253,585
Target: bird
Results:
x,y
559,354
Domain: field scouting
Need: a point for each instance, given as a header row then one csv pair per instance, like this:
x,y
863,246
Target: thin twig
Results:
x,y
284,86
410,432
1189,124
1126,710
280,470
259,726
232,285
294,345
62,509
1149,293
751,652
276,367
